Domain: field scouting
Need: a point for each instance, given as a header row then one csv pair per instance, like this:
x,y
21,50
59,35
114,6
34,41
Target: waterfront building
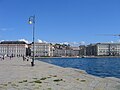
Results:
x,y
59,52
111,49
66,52
42,49
75,51
28,50
82,50
13,48
103,49
91,50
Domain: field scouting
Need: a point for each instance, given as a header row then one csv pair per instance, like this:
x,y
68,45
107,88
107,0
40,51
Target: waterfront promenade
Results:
x,y
16,74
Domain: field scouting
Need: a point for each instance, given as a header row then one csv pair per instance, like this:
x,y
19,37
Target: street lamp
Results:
x,y
32,21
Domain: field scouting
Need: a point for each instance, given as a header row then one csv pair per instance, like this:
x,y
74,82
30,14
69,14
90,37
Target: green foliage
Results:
x,y
31,82
54,75
49,88
9,82
14,85
24,80
37,81
58,80
4,84
77,79
43,78
83,80
20,82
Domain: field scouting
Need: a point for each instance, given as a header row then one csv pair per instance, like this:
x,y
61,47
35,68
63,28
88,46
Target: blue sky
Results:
x,y
60,20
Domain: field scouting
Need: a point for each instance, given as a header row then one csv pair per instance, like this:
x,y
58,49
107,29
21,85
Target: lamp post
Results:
x,y
32,21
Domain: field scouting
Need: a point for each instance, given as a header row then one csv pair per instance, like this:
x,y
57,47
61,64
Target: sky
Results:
x,y
73,21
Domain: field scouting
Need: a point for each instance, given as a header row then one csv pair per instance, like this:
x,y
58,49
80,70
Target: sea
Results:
x,y
102,67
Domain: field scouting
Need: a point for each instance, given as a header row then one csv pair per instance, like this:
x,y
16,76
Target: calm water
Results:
x,y
102,67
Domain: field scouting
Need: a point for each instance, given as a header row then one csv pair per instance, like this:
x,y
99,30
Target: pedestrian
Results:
x,y
3,57
23,58
10,57
28,58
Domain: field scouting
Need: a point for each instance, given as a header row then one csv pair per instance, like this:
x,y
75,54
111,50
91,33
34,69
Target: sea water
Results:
x,y
102,67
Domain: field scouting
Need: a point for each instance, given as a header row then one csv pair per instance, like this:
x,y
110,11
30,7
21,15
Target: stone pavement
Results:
x,y
16,74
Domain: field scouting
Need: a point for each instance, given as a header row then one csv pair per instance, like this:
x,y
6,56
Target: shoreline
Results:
x,y
17,74
84,57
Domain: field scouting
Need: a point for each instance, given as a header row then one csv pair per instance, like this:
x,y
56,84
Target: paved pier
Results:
x,y
16,74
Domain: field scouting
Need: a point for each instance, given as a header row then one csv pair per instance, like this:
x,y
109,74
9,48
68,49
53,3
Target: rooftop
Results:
x,y
13,42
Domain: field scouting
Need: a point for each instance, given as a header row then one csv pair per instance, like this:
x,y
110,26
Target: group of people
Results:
x,y
3,57
24,57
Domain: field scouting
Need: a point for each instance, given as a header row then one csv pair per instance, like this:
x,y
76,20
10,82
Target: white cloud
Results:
x,y
78,43
40,41
5,29
74,44
24,40
18,40
65,43
112,41
71,43
82,42
2,40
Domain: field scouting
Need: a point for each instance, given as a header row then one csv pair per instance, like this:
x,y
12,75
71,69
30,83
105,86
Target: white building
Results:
x,y
59,52
13,48
103,49
66,52
42,49
75,51
112,49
